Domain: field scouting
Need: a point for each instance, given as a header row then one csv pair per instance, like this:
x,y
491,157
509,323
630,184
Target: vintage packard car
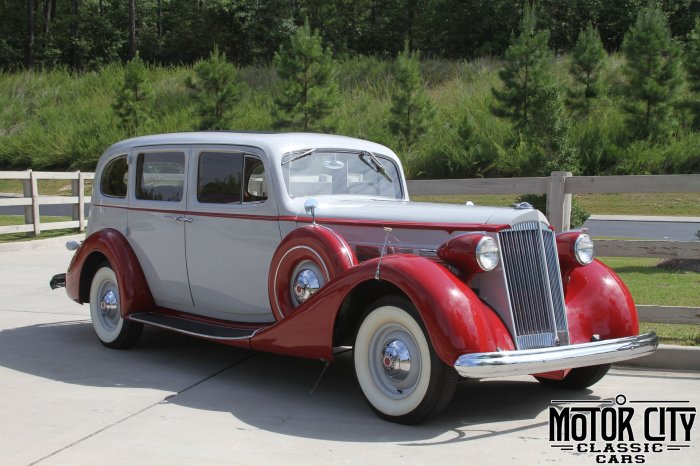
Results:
x,y
301,243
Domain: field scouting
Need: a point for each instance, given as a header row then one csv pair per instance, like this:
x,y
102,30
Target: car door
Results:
x,y
156,227
233,233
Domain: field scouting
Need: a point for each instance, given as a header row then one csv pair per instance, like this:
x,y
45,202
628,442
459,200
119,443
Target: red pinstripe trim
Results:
x,y
449,227
269,218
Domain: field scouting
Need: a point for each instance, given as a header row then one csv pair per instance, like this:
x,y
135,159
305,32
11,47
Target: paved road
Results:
x,y
674,231
67,400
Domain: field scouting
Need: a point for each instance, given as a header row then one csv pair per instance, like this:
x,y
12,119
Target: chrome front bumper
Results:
x,y
536,361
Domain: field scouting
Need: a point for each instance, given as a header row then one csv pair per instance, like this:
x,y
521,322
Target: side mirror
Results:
x,y
310,206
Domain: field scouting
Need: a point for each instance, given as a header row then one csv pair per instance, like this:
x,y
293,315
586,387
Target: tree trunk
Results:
x,y
410,19
159,19
29,58
75,9
47,15
132,28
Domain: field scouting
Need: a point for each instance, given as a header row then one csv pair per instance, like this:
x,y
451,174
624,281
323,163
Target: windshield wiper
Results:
x,y
378,167
299,156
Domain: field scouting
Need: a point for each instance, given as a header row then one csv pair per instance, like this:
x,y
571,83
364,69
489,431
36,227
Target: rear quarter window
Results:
x,y
114,178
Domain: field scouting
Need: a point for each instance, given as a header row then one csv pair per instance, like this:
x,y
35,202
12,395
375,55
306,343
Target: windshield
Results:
x,y
317,172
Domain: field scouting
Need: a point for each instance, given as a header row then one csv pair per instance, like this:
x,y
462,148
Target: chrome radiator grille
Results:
x,y
534,285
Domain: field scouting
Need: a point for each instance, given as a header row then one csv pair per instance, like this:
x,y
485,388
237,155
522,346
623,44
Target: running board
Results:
x,y
192,327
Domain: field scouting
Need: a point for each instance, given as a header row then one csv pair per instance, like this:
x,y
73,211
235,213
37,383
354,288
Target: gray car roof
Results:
x,y
274,144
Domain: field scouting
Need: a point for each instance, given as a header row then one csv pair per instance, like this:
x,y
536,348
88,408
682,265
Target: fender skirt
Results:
x,y
456,320
133,288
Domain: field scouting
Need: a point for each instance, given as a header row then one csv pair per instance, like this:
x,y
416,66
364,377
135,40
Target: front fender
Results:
x,y
456,320
112,245
598,302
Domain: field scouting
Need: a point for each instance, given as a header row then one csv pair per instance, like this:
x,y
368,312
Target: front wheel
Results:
x,y
398,371
579,378
105,309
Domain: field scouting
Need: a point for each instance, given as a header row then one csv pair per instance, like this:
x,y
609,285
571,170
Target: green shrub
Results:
x,y
62,120
579,215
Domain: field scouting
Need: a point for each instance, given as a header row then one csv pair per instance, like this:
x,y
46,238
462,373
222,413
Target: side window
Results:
x,y
114,178
230,178
219,180
255,184
160,176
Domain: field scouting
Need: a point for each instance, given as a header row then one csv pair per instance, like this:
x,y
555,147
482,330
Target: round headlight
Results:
x,y
487,253
583,249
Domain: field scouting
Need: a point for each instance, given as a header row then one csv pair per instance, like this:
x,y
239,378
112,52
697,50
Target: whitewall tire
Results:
x,y
400,376
105,310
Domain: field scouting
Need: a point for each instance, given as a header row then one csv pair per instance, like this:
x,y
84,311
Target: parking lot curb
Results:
x,y
59,241
669,357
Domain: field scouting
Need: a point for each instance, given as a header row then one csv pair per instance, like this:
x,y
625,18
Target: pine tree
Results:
x,y
411,107
531,101
692,68
525,75
215,90
310,88
586,63
132,97
653,75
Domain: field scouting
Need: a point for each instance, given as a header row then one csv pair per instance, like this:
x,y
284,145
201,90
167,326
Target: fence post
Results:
x,y
35,203
81,200
27,192
75,192
558,202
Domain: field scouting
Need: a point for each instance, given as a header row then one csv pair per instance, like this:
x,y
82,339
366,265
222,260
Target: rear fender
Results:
x,y
456,320
111,245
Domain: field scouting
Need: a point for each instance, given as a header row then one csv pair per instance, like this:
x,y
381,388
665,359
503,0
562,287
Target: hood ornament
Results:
x,y
523,206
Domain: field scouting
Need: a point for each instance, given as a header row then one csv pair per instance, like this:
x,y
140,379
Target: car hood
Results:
x,y
403,212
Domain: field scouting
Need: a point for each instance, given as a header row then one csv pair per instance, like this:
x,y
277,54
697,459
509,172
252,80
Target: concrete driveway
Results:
x,y
66,399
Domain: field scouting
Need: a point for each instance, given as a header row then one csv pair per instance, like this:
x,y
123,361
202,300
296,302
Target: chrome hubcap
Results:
x,y
109,314
395,363
396,360
306,284
307,279
109,303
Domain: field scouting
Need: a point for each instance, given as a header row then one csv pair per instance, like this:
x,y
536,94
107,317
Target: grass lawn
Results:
x,y
19,220
674,334
46,187
652,285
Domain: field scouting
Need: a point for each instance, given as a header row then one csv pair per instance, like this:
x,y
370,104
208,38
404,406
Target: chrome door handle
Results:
x,y
184,219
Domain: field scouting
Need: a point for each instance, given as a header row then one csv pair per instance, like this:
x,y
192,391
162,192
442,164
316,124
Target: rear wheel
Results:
x,y
579,378
105,309
399,373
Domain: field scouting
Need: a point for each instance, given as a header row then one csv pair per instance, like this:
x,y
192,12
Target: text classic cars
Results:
x,y
300,243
